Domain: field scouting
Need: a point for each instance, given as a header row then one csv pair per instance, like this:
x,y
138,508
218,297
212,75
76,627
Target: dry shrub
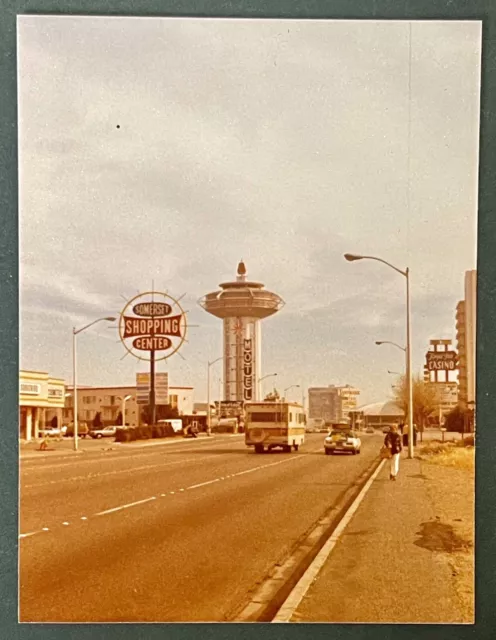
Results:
x,y
449,454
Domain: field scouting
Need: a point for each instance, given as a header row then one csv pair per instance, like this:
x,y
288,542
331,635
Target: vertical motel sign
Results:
x,y
152,323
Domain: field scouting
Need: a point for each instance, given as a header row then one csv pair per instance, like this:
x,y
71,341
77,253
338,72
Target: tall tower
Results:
x,y
242,304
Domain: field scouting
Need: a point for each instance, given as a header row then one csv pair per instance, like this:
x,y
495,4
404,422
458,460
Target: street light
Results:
x,y
269,375
351,257
293,386
394,373
74,372
209,364
389,342
123,409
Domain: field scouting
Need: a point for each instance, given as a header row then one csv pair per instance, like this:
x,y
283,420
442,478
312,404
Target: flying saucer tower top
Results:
x,y
242,304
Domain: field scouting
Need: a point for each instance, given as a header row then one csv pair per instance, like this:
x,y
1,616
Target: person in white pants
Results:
x,y
393,442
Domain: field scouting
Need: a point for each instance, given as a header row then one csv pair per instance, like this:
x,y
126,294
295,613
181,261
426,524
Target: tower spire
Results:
x,y
241,271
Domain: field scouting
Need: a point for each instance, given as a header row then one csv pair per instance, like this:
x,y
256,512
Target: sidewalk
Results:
x,y
406,555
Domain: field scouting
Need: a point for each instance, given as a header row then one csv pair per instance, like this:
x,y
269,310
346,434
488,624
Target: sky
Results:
x,y
163,151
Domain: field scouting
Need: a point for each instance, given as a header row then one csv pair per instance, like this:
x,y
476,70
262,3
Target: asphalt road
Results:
x,y
178,532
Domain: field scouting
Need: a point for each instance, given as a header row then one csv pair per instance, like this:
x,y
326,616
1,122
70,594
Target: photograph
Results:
x,y
247,319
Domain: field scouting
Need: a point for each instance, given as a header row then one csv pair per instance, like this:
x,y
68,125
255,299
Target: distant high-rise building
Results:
x,y
466,326
332,403
461,345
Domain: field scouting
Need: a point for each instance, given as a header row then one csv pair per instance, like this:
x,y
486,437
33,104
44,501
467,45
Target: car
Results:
x,y
104,432
342,440
386,429
49,431
370,430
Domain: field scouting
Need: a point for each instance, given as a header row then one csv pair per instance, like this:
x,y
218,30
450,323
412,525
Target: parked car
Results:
x,y
49,431
104,432
386,429
370,430
341,440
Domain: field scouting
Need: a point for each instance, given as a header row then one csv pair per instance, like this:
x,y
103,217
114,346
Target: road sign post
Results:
x,y
154,322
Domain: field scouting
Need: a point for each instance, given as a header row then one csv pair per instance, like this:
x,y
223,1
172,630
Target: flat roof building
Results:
x,y
108,402
41,399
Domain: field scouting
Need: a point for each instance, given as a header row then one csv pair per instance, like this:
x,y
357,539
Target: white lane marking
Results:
x,y
92,476
45,529
31,533
133,504
172,493
128,455
124,506
292,602
66,524
202,484
84,518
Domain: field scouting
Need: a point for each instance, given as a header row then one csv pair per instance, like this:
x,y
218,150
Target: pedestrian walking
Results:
x,y
393,442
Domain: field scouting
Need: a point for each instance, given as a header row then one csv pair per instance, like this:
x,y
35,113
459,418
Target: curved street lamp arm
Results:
x,y
403,273
76,331
214,361
393,343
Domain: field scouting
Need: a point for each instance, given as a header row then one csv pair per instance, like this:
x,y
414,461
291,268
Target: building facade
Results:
x,y
41,400
332,403
108,402
466,327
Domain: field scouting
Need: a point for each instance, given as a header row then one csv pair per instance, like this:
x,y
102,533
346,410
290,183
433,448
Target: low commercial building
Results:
x,y
447,398
41,401
108,402
377,415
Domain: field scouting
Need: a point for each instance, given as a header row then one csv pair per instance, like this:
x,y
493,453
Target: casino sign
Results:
x,y
150,322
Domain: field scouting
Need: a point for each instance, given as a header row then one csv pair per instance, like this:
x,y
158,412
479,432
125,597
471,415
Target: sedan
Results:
x,y
342,441
106,432
49,431
370,430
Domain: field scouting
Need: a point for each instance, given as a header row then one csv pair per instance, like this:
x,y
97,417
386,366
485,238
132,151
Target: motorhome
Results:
x,y
274,424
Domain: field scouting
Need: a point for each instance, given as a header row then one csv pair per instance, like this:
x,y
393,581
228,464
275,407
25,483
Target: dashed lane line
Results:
x,y
195,486
92,476
125,506
130,454
203,484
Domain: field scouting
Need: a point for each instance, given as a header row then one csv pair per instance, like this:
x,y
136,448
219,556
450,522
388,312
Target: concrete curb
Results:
x,y
276,588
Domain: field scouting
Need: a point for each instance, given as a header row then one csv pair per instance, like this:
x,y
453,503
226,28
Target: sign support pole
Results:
x,y
152,386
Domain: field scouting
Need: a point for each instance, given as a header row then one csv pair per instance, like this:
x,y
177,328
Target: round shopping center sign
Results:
x,y
152,321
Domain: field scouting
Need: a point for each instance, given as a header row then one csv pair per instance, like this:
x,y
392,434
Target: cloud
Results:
x,y
165,150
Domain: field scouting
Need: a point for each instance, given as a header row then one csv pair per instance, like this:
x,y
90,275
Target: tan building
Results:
x,y
108,402
41,398
447,397
332,403
466,326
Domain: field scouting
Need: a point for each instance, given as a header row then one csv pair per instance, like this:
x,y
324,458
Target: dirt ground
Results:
x,y
451,536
